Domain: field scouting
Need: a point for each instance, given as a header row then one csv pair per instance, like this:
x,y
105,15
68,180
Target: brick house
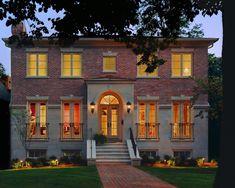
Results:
x,y
94,86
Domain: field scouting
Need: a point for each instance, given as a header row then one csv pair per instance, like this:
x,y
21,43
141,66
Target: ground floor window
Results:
x,y
37,153
147,125
182,154
181,115
71,118
37,125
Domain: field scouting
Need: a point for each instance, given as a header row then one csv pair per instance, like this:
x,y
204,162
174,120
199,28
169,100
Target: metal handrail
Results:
x,y
133,141
71,130
182,130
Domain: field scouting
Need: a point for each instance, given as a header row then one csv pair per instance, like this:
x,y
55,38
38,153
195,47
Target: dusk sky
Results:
x,y
212,27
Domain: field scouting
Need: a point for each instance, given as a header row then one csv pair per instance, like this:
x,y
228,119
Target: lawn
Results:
x,y
79,177
184,177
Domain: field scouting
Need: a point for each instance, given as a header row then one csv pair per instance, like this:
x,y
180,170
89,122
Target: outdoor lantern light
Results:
x,y
128,106
92,107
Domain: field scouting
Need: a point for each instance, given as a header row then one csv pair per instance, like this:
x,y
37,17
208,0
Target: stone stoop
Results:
x,y
112,153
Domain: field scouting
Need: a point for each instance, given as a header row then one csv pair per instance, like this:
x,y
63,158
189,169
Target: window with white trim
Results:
x,y
37,125
109,64
36,64
71,64
181,64
141,70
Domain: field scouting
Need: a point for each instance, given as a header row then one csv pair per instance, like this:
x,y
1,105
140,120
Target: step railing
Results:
x,y
91,152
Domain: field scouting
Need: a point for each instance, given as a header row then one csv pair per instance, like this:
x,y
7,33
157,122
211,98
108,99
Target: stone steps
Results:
x,y
112,153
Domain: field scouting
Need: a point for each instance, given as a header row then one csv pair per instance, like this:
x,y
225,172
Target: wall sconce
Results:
x,y
92,107
128,106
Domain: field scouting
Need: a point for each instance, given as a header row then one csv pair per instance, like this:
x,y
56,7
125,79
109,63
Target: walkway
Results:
x,y
127,176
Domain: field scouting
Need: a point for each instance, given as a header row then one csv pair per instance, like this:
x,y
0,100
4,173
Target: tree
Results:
x,y
213,87
134,22
3,75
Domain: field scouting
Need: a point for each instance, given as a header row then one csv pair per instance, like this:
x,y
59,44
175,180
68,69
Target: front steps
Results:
x,y
112,153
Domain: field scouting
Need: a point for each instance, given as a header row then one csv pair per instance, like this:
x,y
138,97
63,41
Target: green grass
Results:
x,y
79,177
184,177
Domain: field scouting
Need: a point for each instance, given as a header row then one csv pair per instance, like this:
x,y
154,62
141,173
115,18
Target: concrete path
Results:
x,y
126,176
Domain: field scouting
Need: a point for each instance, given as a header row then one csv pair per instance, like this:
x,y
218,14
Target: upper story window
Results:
x,y
141,70
181,65
71,65
37,64
109,64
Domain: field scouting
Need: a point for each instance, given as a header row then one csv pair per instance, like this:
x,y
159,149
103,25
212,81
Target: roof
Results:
x,y
97,41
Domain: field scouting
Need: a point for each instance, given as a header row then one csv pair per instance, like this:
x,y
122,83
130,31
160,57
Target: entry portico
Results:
x,y
110,116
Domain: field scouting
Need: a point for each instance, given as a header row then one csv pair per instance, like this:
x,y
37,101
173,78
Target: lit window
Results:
x,y
181,64
147,126
37,118
37,64
109,64
71,65
141,70
71,126
181,126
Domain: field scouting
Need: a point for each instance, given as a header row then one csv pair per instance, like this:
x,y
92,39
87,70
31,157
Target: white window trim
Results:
x,y
71,63
110,71
27,64
147,74
181,64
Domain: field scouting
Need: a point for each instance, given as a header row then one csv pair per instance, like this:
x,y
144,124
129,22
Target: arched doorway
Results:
x,y
110,116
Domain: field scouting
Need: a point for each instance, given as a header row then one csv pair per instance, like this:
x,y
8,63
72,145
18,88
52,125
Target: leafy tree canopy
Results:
x,y
140,19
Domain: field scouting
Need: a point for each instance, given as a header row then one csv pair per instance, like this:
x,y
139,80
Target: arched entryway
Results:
x,y
110,116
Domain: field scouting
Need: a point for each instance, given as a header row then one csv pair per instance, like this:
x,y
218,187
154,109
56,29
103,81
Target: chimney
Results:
x,y
18,29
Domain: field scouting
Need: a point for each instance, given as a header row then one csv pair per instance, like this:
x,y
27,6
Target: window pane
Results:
x,y
152,113
142,121
186,114
109,63
141,70
42,57
176,65
76,119
187,68
76,58
32,121
76,72
32,65
42,68
104,121
42,118
66,65
66,118
187,57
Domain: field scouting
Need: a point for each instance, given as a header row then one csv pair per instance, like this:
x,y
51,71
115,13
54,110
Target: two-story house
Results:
x,y
94,86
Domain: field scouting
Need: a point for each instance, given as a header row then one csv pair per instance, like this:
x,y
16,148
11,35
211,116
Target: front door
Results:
x,y
109,120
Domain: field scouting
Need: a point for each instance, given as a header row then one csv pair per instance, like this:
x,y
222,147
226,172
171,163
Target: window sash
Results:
x,y
109,63
181,64
37,64
71,64
141,70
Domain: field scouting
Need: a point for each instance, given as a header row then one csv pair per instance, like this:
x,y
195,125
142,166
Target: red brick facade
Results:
x,y
54,86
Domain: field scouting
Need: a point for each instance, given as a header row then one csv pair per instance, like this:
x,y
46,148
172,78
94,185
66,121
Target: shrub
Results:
x,y
53,162
16,164
64,160
37,162
167,157
171,162
100,138
53,157
76,159
200,161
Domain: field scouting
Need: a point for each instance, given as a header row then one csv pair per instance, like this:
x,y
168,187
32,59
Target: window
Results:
x,y
37,64
182,126
152,154
141,70
184,154
71,65
37,153
71,126
181,64
37,126
109,64
147,117
71,153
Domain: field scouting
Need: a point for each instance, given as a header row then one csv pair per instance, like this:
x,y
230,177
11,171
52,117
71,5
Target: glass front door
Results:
x,y
109,120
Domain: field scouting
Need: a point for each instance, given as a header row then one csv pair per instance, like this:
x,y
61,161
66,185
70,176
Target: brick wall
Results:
x,y
54,86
